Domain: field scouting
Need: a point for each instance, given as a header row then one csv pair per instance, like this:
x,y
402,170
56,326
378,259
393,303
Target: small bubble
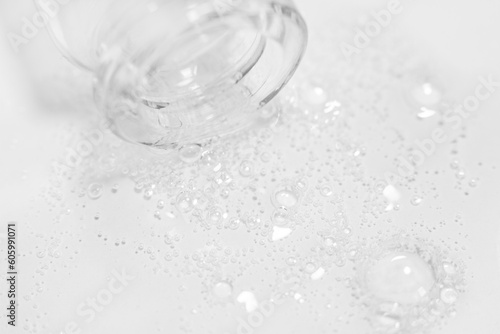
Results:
x,y
94,190
190,153
280,217
460,174
416,200
473,182
386,324
326,191
252,223
310,267
215,216
449,295
222,290
265,157
313,94
285,198
224,193
426,94
184,201
233,223
148,194
210,160
246,168
455,164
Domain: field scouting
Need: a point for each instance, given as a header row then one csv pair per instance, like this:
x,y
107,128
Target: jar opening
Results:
x,y
189,85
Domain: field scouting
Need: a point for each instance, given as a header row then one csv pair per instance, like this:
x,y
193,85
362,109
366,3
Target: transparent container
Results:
x,y
172,72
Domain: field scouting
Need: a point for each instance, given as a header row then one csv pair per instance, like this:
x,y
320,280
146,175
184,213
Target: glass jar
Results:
x,y
173,72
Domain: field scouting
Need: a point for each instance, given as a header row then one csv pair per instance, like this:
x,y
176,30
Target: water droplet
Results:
x,y
246,168
280,233
310,267
313,94
326,191
426,113
473,182
210,160
253,222
400,277
426,94
386,324
416,200
285,198
107,163
222,290
265,157
318,274
449,295
184,201
190,153
94,191
233,223
161,204
460,174
248,298
215,216
280,217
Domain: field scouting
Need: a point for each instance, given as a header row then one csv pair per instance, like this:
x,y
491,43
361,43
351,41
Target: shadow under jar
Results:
x,y
174,72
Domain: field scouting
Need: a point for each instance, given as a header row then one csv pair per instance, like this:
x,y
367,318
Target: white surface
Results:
x,y
459,38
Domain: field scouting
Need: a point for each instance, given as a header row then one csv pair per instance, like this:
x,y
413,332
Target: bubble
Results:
x,y
252,223
190,153
416,200
301,184
326,191
94,190
224,193
272,110
233,223
449,295
400,277
246,168
215,216
107,163
310,267
265,157
210,160
280,217
184,201
222,290
313,94
426,113
386,324
426,94
460,174
285,197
